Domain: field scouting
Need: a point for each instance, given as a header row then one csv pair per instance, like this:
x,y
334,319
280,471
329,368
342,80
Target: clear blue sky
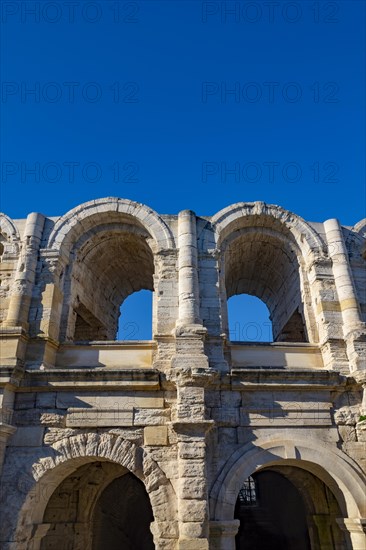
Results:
x,y
132,99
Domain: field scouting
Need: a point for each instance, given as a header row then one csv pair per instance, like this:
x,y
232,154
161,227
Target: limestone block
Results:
x,y
94,417
227,436
230,398
165,529
357,450
361,431
143,417
53,418
192,529
194,544
347,415
228,416
105,400
187,410
212,398
192,510
192,488
166,544
54,434
191,468
191,450
46,400
347,433
156,435
25,400
30,436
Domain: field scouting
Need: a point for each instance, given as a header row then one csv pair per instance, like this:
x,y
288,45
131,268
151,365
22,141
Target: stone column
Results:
x,y
355,528
187,267
26,271
353,328
190,373
223,533
342,274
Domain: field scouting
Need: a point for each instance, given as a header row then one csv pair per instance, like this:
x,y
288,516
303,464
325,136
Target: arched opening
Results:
x,y
100,505
122,516
249,319
266,265
109,264
135,317
287,508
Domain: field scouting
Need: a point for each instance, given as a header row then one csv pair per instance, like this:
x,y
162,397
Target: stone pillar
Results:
x,y
26,271
353,328
42,349
187,267
52,296
355,528
327,314
191,428
223,533
192,485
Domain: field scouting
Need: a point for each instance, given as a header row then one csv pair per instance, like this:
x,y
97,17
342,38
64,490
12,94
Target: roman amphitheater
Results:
x,y
187,441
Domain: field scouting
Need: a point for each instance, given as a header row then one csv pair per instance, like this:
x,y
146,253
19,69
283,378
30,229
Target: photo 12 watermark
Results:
x,y
71,171
270,12
269,92
71,12
69,92
269,172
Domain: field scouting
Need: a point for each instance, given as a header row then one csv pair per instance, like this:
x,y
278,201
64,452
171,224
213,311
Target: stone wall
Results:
x,y
188,416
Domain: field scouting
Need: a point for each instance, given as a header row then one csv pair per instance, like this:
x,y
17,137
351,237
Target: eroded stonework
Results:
x,y
185,441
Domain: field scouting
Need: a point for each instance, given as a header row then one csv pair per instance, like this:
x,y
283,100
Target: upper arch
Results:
x,y
10,233
360,228
8,228
243,214
81,219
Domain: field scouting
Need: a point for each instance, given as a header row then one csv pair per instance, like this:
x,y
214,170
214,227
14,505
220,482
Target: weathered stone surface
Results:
x,y
191,450
194,412
192,510
194,488
194,544
31,436
156,435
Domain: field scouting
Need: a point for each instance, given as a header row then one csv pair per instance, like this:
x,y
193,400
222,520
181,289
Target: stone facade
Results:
x,y
177,424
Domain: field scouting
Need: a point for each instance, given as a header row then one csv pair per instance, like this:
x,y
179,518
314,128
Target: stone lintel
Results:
x,y
99,418
251,378
95,379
